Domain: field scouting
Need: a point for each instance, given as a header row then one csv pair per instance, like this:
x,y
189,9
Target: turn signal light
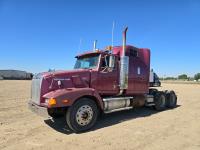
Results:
x,y
52,101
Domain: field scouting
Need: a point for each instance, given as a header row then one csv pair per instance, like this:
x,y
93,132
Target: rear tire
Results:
x,y
171,99
82,115
160,101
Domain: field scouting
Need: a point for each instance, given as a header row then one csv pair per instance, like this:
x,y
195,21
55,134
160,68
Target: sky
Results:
x,y
36,35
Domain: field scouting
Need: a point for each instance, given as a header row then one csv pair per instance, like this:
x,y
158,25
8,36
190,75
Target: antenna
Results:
x,y
113,27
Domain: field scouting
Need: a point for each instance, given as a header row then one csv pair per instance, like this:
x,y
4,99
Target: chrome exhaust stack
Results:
x,y
124,66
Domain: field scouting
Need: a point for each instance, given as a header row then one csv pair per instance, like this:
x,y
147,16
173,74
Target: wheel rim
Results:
x,y
84,115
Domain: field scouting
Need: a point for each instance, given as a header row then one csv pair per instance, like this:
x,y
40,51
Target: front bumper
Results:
x,y
39,110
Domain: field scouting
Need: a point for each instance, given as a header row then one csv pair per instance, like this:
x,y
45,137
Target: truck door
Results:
x,y
108,78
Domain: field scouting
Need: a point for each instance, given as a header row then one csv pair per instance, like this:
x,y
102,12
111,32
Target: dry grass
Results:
x,y
143,128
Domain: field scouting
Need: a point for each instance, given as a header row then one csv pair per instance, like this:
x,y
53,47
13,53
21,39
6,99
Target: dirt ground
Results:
x,y
175,129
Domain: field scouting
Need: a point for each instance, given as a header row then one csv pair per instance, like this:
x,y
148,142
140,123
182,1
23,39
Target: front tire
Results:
x,y
82,115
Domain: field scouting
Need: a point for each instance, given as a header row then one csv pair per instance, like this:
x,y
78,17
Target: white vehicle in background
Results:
x,y
154,79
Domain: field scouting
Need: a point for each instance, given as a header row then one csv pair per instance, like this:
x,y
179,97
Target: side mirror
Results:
x,y
111,61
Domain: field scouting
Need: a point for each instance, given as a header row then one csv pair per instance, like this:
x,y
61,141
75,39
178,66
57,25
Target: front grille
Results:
x,y
35,89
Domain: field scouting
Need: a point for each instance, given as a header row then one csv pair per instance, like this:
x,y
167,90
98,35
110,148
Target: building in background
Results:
x,y
15,75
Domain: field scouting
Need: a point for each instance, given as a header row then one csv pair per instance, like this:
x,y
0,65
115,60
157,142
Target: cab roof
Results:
x,y
116,51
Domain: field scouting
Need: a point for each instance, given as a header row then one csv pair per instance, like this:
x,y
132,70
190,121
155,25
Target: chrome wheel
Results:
x,y
84,115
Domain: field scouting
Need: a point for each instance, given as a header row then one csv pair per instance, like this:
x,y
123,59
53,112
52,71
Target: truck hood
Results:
x,y
79,78
63,73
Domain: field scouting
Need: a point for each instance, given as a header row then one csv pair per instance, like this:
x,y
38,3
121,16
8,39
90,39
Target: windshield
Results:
x,y
87,62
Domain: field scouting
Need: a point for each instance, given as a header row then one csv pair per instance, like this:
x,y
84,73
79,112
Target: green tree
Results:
x,y
183,77
197,76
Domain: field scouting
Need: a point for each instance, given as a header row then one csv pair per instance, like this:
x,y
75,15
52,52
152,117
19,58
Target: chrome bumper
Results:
x,y
41,111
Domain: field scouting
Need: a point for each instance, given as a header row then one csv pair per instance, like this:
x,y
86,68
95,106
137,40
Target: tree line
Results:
x,y
183,77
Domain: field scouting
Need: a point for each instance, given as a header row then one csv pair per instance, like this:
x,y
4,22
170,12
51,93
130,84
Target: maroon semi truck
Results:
x,y
102,81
